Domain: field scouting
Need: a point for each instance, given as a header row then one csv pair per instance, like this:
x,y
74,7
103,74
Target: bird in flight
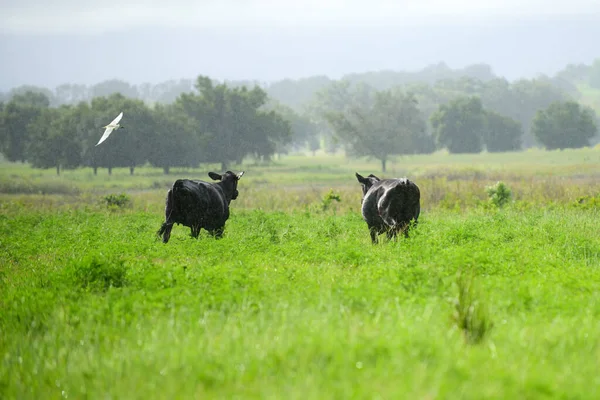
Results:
x,y
114,125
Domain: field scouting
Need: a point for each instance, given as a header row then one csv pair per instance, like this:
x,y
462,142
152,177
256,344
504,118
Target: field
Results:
x,y
294,302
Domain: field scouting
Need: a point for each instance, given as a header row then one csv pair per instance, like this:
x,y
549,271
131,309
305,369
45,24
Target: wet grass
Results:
x,y
294,301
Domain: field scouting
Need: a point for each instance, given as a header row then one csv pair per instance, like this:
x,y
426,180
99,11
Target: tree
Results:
x,y
113,86
126,147
26,93
391,125
575,73
297,93
502,133
272,133
173,142
564,125
18,113
530,96
233,120
459,125
303,130
165,92
54,141
336,98
71,93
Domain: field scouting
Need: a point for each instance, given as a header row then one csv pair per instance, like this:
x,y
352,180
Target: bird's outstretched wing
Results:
x,y
116,120
110,127
107,132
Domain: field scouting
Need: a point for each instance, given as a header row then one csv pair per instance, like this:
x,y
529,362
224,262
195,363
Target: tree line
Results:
x,y
223,122
213,124
382,123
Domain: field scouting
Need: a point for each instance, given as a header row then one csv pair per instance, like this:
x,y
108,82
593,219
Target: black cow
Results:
x,y
199,204
388,205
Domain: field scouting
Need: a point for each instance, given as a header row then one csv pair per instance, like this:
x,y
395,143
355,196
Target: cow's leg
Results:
x,y
374,233
391,233
404,228
217,232
165,231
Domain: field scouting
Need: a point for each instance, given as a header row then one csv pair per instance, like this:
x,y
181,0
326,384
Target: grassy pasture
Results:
x,y
294,301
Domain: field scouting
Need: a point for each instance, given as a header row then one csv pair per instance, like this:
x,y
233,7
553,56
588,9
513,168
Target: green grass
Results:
x,y
294,301
297,181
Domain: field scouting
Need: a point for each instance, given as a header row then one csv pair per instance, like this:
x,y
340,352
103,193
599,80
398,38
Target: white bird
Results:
x,y
114,125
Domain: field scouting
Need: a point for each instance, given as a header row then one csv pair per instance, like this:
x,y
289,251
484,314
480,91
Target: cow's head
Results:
x,y
229,182
367,182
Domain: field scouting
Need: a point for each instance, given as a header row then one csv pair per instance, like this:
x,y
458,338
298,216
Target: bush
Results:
x,y
588,202
499,194
117,200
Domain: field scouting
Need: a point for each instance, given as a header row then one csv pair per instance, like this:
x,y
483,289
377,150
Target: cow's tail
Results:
x,y
400,204
165,229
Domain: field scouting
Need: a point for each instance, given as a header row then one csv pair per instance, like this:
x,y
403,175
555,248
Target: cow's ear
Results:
x,y
361,178
240,175
373,176
215,176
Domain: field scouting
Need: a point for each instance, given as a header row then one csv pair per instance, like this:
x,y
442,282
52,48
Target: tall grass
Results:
x,y
295,302
295,182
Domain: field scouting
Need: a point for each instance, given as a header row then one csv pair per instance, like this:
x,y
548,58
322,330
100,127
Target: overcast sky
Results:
x,y
50,42
67,16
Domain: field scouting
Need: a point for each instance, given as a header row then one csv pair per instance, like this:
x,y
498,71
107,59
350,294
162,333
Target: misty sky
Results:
x,y
51,42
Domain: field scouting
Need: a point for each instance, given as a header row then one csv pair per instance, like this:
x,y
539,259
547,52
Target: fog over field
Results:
x,y
152,41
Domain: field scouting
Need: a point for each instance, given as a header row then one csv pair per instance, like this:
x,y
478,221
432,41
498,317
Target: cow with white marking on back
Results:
x,y
389,205
198,204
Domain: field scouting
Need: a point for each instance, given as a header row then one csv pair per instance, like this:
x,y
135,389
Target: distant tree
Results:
x,y
502,133
173,142
54,142
88,123
336,98
28,92
18,113
428,96
31,98
458,125
233,120
42,150
449,89
392,124
3,134
303,130
113,86
564,125
167,92
529,97
297,93
569,88
575,73
126,147
71,93
482,72
272,133
314,144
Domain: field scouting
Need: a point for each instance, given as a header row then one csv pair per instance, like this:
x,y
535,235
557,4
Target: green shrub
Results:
x,y
499,194
588,202
328,200
117,200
